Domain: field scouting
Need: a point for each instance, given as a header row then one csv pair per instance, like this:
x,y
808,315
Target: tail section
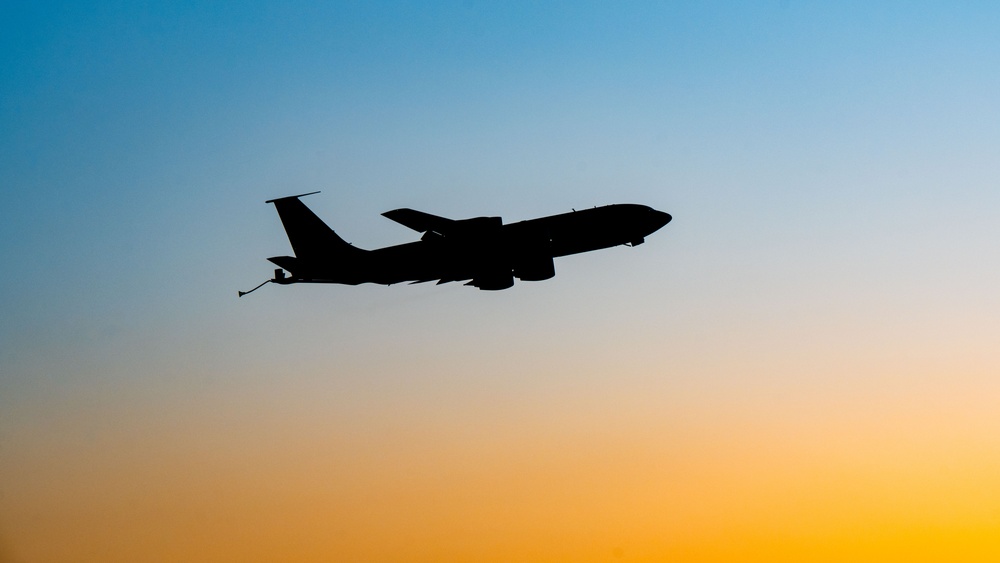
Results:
x,y
310,237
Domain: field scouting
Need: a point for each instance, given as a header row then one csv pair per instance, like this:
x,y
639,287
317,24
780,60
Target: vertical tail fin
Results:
x,y
309,235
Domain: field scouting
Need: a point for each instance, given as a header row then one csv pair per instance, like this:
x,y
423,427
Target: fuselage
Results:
x,y
483,250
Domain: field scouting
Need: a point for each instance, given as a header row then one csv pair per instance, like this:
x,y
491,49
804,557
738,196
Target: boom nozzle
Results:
x,y
279,277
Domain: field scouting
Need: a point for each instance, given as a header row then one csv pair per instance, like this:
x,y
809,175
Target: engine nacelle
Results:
x,y
535,269
481,226
493,282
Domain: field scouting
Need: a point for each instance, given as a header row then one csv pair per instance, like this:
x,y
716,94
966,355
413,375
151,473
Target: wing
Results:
x,y
420,221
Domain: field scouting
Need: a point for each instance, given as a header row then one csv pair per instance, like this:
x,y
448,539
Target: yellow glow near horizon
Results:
x,y
594,478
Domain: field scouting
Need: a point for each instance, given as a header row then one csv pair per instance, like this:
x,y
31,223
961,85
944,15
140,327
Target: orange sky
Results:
x,y
578,475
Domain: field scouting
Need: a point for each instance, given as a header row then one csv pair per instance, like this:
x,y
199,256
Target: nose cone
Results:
x,y
657,219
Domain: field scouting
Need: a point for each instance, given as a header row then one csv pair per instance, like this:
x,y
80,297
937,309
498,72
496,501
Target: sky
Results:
x,y
803,366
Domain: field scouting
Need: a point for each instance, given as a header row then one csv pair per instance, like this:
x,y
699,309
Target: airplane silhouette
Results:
x,y
482,251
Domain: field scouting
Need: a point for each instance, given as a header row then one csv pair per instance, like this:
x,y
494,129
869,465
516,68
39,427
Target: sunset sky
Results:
x,y
803,366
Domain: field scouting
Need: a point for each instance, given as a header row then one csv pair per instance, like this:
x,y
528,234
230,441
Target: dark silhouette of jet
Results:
x,y
481,251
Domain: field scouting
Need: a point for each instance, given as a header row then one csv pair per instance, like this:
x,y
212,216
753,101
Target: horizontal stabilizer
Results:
x,y
289,197
419,221
289,263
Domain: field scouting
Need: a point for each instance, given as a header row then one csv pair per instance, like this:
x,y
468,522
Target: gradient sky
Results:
x,y
804,366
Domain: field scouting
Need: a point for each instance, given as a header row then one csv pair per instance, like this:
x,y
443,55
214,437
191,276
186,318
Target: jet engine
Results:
x,y
477,225
493,281
537,268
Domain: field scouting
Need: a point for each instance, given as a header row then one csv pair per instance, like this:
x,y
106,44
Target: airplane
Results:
x,y
481,251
